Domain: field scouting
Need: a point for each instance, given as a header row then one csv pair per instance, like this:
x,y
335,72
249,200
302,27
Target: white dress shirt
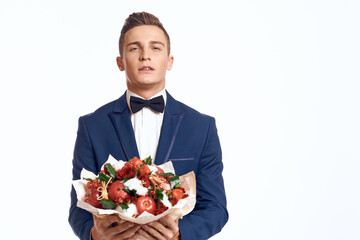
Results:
x,y
147,127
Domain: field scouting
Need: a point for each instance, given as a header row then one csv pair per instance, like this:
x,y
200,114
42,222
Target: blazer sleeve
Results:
x,y
80,220
210,213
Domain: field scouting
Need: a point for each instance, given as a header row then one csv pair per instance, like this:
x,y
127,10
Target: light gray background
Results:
x,y
280,77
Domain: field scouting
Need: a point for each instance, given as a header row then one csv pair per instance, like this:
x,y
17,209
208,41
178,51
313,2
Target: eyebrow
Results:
x,y
151,42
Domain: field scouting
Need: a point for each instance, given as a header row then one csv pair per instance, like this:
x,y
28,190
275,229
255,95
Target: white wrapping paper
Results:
x,y
183,207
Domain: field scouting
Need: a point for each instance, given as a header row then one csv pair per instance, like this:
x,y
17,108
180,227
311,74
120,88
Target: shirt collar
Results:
x,y
130,93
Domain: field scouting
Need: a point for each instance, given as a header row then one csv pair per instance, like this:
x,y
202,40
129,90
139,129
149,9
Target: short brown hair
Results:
x,y
138,19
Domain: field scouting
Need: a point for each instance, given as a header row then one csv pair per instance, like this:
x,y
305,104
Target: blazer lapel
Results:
x,y
171,124
121,120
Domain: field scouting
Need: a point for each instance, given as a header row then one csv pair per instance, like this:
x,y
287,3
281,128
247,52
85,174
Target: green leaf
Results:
x,y
148,161
166,174
125,179
104,177
108,204
124,206
175,182
111,170
159,194
131,192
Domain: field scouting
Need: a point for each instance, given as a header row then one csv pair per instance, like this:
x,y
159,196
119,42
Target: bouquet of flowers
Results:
x,y
137,190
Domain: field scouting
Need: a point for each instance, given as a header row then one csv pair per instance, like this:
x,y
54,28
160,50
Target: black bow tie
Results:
x,y
157,104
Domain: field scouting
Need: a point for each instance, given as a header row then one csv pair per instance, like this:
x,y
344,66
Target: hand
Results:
x,y
112,227
164,229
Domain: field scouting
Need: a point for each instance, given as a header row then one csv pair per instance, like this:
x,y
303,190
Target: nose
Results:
x,y
145,55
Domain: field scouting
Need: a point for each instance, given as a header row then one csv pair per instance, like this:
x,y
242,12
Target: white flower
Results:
x,y
135,184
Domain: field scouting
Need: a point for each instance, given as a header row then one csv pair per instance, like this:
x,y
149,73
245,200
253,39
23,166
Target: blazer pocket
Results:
x,y
181,159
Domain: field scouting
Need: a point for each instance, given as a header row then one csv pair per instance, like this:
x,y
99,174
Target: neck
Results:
x,y
146,93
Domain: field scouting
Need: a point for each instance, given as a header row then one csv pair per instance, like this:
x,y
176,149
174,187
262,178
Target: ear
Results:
x,y
170,62
120,63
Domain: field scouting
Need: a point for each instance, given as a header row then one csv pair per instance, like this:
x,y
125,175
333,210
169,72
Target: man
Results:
x,y
174,133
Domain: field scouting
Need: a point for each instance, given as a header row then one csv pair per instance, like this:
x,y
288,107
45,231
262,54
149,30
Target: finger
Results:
x,y
120,228
146,234
135,236
128,233
159,227
155,230
168,222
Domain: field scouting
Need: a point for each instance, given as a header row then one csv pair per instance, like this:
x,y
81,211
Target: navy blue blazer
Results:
x,y
188,138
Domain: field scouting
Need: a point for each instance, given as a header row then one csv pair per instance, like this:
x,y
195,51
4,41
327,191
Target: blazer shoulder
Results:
x,y
115,105
192,119
100,111
192,113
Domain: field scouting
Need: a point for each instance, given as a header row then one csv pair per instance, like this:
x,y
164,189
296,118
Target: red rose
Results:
x,y
128,171
145,180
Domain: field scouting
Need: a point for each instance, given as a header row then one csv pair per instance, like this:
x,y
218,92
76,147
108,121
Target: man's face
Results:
x,y
145,59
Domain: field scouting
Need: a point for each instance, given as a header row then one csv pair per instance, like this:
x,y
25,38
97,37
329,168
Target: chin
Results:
x,y
150,83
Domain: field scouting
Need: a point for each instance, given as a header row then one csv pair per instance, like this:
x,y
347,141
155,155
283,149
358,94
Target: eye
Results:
x,y
134,48
157,48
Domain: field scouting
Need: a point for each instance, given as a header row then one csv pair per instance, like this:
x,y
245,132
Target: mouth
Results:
x,y
146,68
